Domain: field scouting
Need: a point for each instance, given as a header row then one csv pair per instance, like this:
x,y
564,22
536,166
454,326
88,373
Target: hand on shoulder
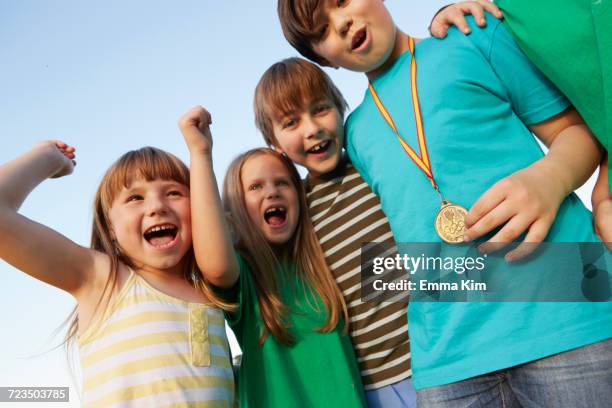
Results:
x,y
454,15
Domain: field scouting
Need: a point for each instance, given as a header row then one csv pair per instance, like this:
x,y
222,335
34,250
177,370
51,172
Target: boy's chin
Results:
x,y
324,167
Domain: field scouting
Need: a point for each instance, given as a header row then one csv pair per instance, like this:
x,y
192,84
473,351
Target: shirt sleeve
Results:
x,y
532,96
239,294
351,128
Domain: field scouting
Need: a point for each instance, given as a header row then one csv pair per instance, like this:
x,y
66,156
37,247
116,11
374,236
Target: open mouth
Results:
x,y
275,216
161,235
358,39
320,148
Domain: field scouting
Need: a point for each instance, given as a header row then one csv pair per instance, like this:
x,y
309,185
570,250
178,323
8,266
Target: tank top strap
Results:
x,y
112,306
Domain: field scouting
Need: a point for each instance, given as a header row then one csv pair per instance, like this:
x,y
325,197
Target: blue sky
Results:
x,y
112,76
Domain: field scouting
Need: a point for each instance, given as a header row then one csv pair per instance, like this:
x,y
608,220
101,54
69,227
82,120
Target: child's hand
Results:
x,y
602,218
454,14
526,200
61,152
195,127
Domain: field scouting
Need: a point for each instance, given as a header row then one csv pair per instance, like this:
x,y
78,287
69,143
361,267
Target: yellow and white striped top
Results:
x,y
150,349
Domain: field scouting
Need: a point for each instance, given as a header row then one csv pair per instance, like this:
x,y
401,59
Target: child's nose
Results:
x,y
342,23
272,191
312,129
157,206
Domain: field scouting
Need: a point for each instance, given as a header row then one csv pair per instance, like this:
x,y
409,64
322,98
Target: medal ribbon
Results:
x,y
422,160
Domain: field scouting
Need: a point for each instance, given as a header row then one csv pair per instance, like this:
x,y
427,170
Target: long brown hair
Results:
x,y
148,163
303,251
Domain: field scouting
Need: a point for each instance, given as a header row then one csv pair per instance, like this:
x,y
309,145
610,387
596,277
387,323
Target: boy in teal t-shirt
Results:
x,y
478,96
571,43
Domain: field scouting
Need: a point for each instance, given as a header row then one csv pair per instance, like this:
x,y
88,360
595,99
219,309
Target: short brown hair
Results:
x,y
285,87
299,22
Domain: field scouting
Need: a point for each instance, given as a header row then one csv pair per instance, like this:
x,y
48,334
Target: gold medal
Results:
x,y
450,222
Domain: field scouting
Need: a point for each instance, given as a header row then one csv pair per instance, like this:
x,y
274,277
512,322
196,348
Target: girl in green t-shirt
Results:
x,y
281,301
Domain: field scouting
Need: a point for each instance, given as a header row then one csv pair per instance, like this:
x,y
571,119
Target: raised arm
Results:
x,y
29,246
212,243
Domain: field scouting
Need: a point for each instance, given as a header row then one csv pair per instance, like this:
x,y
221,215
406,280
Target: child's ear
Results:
x,y
277,149
274,146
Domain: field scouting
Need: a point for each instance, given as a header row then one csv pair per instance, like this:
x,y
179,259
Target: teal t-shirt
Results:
x,y
320,369
478,93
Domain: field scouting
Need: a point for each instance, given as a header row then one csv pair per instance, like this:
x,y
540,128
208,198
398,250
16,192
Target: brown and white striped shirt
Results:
x,y
345,214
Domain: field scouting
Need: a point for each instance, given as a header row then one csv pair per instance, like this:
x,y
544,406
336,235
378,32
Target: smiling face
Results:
x,y
358,35
270,197
151,222
311,136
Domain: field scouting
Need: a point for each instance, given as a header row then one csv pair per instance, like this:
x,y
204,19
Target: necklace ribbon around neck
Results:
x,y
450,220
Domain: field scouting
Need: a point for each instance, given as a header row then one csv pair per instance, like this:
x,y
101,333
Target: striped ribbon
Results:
x,y
421,160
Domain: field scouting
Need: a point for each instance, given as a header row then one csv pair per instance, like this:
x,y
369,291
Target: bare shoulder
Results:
x,y
102,286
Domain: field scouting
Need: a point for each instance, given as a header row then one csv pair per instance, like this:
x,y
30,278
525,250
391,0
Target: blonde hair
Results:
x,y
302,254
286,86
147,163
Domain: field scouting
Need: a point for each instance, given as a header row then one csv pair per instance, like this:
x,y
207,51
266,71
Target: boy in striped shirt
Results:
x,y
300,113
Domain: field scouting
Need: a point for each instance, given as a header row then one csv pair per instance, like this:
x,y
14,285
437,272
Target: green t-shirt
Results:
x,y
319,370
570,41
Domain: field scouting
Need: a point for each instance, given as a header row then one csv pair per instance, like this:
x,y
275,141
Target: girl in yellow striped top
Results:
x,y
147,334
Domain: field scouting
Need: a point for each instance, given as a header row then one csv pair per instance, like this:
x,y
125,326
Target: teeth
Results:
x,y
273,209
319,147
160,228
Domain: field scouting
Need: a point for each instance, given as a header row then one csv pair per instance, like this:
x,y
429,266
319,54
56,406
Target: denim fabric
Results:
x,y
577,378
401,395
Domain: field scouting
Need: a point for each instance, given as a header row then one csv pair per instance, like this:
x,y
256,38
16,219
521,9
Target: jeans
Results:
x,y
398,395
577,378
